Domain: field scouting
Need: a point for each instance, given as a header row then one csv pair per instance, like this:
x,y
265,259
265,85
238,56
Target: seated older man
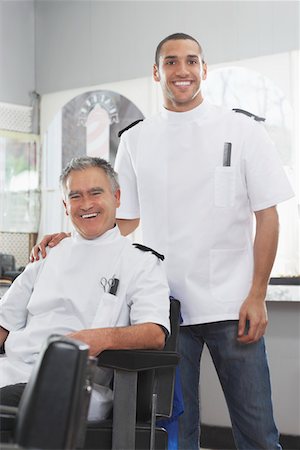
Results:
x,y
96,287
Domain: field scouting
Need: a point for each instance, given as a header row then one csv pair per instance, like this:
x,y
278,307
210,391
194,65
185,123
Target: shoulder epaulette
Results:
x,y
249,114
129,126
148,249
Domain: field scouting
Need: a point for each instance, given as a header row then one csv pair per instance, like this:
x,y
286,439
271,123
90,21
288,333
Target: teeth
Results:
x,y
88,216
182,83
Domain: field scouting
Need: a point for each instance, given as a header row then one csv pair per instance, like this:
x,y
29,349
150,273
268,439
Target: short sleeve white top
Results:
x,y
193,209
63,293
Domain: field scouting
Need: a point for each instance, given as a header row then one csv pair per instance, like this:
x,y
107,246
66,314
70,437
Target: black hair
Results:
x,y
176,37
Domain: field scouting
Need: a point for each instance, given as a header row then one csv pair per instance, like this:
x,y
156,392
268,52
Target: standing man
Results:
x,y
196,175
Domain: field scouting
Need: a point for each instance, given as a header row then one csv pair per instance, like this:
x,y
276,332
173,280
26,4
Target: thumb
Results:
x,y
242,324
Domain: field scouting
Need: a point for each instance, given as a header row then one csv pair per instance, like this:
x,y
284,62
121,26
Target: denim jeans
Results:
x,y
244,376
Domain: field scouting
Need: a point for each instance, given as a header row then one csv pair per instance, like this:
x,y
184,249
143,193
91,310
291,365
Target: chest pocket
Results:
x,y
107,312
225,186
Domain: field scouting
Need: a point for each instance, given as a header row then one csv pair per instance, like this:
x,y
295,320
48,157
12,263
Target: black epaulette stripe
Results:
x,y
249,114
129,126
148,249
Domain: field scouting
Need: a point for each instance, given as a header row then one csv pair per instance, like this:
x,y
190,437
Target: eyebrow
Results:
x,y
176,57
98,189
73,193
94,189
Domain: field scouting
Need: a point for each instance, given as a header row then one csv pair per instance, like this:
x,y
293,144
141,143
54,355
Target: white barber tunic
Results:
x,y
63,293
195,211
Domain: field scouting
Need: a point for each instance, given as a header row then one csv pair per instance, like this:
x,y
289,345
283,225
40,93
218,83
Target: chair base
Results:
x,y
99,437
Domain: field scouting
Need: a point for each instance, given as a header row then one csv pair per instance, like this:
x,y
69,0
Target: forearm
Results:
x,y
265,247
141,336
253,308
127,226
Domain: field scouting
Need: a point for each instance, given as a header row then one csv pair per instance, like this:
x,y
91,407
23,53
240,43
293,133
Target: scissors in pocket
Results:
x,y
109,285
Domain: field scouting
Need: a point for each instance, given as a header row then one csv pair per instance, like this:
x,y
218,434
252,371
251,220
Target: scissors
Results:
x,y
107,284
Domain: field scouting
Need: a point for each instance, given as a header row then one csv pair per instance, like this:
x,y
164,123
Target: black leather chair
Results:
x,y
53,409
8,270
52,413
144,383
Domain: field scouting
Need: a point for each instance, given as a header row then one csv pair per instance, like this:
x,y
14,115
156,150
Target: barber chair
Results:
x,y
144,383
54,405
8,270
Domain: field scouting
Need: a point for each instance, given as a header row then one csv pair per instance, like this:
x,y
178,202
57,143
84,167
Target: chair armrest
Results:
x,y
137,360
127,364
8,418
8,411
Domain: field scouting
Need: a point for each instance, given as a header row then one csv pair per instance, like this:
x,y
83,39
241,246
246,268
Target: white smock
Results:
x,y
63,293
196,212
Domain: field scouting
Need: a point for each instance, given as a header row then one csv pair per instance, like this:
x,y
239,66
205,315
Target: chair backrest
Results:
x,y
162,380
7,263
56,396
165,377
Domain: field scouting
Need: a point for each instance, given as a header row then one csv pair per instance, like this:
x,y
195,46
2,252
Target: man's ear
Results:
x,y
66,209
156,76
204,71
118,198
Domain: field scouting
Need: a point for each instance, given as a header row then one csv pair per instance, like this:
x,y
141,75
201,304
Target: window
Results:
x,y
19,182
245,88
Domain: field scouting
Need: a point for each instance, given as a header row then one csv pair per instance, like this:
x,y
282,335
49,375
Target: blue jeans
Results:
x,y
244,376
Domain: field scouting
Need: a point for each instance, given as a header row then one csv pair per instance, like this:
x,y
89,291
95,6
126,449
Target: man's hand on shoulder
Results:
x,y
50,240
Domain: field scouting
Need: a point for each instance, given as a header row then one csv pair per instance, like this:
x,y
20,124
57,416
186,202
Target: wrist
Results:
x,y
258,292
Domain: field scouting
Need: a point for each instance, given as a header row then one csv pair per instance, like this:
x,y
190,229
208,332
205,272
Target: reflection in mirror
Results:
x,y
109,111
97,133
87,124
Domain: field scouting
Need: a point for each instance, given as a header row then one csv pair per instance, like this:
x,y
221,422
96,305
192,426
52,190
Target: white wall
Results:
x,y
53,45
83,43
17,51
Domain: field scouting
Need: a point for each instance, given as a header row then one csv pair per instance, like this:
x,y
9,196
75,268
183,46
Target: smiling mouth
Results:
x,y
182,83
89,216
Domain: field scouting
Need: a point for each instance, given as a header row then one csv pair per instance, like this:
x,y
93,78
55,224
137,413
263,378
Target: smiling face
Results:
x,y
90,201
180,73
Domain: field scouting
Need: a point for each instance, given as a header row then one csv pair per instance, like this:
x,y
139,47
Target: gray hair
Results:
x,y
85,162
